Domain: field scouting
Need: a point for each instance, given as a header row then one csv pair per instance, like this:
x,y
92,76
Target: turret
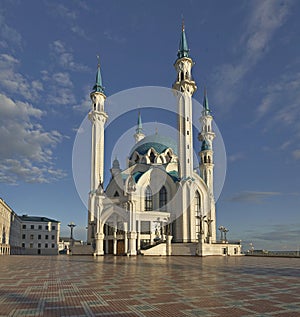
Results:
x,y
139,135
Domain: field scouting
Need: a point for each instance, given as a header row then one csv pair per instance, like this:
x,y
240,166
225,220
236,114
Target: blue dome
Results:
x,y
158,142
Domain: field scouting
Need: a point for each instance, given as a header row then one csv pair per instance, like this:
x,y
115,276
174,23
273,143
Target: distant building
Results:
x,y
27,234
39,235
5,220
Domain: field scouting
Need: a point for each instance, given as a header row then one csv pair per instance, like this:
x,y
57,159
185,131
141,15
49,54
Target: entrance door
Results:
x,y
120,247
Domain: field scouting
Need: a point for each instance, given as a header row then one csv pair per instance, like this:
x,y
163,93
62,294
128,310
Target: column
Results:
x,y
99,244
115,241
168,245
138,235
125,237
132,243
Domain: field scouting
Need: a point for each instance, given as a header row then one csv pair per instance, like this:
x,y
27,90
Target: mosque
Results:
x,y
158,205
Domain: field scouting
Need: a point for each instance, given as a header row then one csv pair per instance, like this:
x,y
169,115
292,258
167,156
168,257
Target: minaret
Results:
x,y
206,136
186,86
98,117
139,135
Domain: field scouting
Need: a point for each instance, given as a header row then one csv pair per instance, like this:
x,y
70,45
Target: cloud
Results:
x,y
26,149
64,57
265,18
252,196
114,37
69,16
9,37
236,157
296,154
14,82
280,109
59,88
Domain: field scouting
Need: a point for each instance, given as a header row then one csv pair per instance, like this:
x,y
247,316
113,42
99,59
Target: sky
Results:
x,y
246,53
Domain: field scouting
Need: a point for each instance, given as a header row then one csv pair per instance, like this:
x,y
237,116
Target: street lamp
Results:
x,y
225,230
221,228
72,226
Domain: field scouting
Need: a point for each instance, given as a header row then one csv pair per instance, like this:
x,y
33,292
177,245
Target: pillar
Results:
x,y
132,243
169,245
99,244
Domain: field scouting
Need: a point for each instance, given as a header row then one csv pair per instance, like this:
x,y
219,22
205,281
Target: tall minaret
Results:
x,y
98,117
139,135
186,86
206,136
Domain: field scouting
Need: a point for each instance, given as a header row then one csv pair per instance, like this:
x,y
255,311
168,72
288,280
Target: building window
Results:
x,y
46,237
53,227
31,245
23,245
32,227
31,237
46,245
197,202
39,236
40,227
39,245
53,245
23,236
46,227
148,199
53,237
24,226
162,197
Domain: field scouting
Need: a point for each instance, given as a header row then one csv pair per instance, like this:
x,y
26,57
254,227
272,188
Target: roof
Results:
x,y
183,46
37,219
158,142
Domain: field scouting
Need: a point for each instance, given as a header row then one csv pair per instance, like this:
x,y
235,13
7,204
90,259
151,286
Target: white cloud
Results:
x,y
14,82
236,157
26,149
9,37
265,18
64,57
296,154
252,196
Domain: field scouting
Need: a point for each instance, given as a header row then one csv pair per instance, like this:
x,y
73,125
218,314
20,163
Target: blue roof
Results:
x,y
158,142
183,46
98,87
174,175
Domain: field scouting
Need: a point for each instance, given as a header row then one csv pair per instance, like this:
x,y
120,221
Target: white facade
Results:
x,y
158,204
39,235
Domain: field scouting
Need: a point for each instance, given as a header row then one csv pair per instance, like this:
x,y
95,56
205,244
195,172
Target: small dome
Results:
x,y
158,142
116,163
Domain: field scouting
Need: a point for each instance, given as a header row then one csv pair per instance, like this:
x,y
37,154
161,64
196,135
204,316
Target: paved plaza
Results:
x,y
149,286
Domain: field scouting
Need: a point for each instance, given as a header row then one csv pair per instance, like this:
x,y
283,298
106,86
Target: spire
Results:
x,y
205,102
139,128
139,135
98,85
183,46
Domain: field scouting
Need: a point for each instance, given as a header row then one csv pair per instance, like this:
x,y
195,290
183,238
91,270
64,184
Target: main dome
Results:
x,y
158,142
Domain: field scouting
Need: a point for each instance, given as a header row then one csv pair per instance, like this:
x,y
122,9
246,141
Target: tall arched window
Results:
x,y
148,199
162,197
197,202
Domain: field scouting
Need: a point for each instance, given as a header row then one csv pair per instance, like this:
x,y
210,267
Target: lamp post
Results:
x,y
221,228
72,226
225,230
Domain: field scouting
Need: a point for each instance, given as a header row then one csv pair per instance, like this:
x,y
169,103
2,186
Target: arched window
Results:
x,y
152,157
197,203
148,199
162,197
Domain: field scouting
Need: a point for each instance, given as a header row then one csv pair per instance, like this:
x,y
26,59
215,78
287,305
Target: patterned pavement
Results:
x,y
149,286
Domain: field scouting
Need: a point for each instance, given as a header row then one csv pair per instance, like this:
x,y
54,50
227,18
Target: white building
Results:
x,y
132,215
39,235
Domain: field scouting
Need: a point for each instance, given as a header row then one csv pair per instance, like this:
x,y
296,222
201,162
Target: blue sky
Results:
x,y
246,53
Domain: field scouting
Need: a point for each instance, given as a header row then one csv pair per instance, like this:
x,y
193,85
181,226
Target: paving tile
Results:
x,y
149,286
